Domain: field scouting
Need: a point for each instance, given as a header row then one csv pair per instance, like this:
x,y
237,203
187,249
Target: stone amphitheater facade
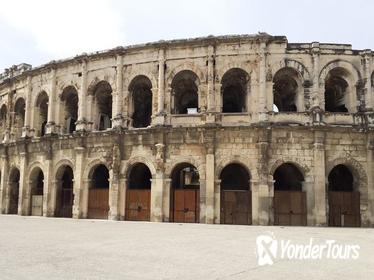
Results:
x,y
243,129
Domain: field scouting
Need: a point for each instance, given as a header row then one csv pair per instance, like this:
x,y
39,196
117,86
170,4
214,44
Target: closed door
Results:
x,y
290,208
98,204
186,206
236,207
13,203
344,209
67,199
37,205
138,205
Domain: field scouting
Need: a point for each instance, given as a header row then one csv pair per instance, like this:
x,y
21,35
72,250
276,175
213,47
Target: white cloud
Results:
x,y
65,28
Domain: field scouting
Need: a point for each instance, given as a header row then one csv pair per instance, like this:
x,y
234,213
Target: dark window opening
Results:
x,y
140,177
340,179
336,89
103,103
70,99
285,90
288,178
185,91
42,106
39,186
185,176
100,177
19,115
234,91
235,177
141,93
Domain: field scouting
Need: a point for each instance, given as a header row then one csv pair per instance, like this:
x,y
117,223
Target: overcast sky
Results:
x,y
38,31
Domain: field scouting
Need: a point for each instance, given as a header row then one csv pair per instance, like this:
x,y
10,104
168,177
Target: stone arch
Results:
x,y
36,189
32,166
187,66
41,113
140,105
91,166
19,115
131,75
14,187
69,100
138,159
63,189
190,160
232,65
62,163
349,67
3,117
302,168
299,67
235,90
227,161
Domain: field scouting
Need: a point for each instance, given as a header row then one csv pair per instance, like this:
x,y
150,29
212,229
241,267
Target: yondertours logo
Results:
x,y
269,249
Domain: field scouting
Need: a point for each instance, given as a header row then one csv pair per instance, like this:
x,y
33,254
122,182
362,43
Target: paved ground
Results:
x,y
51,248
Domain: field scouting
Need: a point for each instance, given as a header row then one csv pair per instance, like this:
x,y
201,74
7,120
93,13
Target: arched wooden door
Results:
x,y
98,196
138,194
185,194
344,201
236,196
289,203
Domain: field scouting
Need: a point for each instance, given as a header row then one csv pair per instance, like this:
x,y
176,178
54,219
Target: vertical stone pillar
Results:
x,y
50,127
82,123
118,121
308,188
113,197
23,185
367,77
262,192
262,97
27,124
78,181
159,118
217,202
210,117
156,197
166,200
320,195
370,175
316,97
209,185
122,198
3,183
48,186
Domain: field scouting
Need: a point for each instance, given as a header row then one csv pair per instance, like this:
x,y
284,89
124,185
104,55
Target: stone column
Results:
x,y
3,183
50,127
122,198
319,179
27,124
118,120
113,197
48,184
156,197
78,181
166,199
308,188
24,186
159,118
370,175
316,100
262,93
217,202
367,77
210,117
82,123
209,185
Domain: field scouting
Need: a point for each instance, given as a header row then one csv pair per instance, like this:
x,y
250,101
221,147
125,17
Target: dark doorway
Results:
x,y
141,93
185,194
14,191
285,90
336,89
138,193
236,198
185,92
37,189
65,195
102,96
69,98
234,91
344,201
289,199
98,197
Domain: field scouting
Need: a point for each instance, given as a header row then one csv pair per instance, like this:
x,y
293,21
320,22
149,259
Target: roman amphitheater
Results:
x,y
244,129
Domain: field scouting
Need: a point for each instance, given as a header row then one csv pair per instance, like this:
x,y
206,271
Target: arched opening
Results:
x,y
14,178
141,93
98,196
69,99
185,92
3,119
64,195
41,116
185,194
138,193
236,199
234,91
344,200
285,90
19,117
36,191
290,207
102,97
336,91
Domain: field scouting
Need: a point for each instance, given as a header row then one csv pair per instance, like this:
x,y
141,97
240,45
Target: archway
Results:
x,y
19,117
13,191
69,99
141,93
98,195
185,194
344,199
337,91
290,207
185,92
234,91
41,113
287,90
236,198
102,99
138,193
3,119
37,191
64,195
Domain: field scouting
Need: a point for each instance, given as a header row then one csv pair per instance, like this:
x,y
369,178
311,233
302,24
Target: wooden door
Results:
x,y
37,205
138,205
13,200
66,203
236,207
186,207
344,209
290,208
98,204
